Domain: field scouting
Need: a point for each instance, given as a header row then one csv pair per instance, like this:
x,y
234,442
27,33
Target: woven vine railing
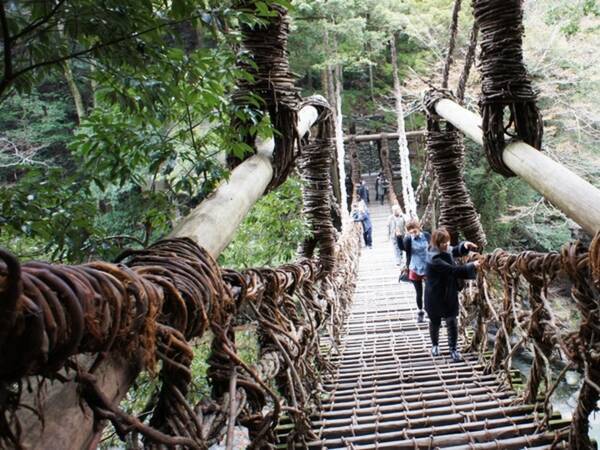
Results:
x,y
151,305
514,293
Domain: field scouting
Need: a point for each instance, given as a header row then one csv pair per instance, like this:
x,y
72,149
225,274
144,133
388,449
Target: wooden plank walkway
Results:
x,y
388,392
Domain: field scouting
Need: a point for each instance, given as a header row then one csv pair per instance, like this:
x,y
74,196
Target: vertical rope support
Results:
x,y
447,156
386,166
469,60
265,57
314,164
544,339
339,138
354,166
505,81
451,43
408,202
504,265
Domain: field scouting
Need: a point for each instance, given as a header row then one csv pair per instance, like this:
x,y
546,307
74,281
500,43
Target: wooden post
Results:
x,y
418,134
212,225
574,196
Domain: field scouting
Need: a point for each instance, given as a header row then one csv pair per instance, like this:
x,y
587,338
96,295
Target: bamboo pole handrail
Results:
x,y
377,136
574,196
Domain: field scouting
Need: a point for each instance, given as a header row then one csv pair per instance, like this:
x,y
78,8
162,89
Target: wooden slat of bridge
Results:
x,y
389,392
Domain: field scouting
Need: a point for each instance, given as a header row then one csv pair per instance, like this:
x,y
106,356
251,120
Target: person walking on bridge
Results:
x,y
360,213
415,246
396,227
363,191
442,276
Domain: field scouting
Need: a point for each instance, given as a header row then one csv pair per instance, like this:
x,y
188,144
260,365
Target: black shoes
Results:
x,y
456,356
421,316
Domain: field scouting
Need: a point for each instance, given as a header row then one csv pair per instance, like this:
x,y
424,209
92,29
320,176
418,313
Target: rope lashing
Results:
x,y
265,57
505,82
446,149
314,165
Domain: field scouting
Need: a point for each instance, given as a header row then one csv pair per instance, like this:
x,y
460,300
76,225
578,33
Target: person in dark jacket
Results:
x,y
441,287
415,245
363,191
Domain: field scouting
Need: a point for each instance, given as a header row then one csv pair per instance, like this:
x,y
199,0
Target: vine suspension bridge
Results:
x,y
342,362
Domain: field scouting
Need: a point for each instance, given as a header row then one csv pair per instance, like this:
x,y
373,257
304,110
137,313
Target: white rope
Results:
x,y
339,145
408,194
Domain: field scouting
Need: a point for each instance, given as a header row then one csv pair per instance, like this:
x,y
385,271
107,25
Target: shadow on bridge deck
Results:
x,y
389,392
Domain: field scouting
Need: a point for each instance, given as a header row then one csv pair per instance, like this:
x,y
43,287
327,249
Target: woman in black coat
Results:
x,y
441,287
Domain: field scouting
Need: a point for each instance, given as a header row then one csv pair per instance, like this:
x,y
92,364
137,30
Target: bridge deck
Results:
x,y
389,392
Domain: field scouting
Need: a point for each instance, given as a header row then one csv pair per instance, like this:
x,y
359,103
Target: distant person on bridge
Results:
x,y
442,287
416,243
396,227
360,213
363,191
381,187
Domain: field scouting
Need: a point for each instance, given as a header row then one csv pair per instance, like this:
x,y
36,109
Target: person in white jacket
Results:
x,y
396,230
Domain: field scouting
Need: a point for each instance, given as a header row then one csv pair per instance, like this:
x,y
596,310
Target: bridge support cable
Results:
x,y
447,156
566,190
355,166
386,168
409,203
339,143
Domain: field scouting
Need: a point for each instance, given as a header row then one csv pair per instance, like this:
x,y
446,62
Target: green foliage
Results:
x,y
270,234
158,129
569,15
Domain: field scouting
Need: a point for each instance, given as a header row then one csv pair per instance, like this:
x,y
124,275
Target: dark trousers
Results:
x,y
367,235
419,289
451,326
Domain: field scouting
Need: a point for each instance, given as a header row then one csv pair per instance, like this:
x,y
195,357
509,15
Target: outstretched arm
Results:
x,y
466,271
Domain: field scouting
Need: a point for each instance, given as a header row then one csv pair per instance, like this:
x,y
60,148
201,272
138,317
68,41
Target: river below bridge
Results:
x,y
564,398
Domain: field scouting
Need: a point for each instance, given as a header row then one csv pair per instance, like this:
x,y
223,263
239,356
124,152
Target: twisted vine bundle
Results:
x,y
266,59
505,82
447,154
